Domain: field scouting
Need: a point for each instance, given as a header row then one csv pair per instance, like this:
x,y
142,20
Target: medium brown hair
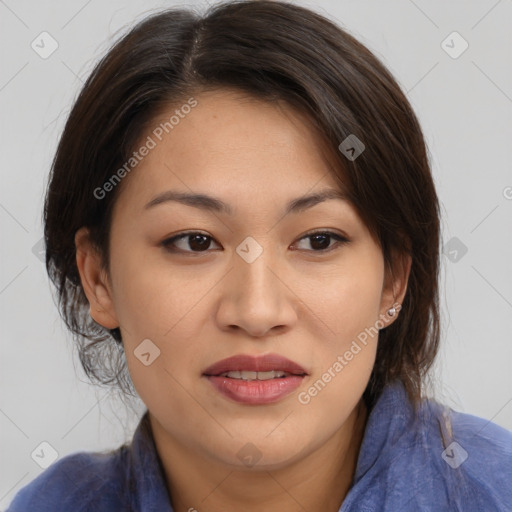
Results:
x,y
273,50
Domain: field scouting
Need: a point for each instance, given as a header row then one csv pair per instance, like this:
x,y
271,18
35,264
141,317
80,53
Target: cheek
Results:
x,y
330,397
350,307
150,296
348,355
349,298
345,360
153,303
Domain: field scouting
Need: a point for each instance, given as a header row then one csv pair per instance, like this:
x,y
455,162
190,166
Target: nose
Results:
x,y
257,298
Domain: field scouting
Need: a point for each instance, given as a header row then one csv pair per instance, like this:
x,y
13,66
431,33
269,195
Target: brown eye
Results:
x,y
320,241
196,242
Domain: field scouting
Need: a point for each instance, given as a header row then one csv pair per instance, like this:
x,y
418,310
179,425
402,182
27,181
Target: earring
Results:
x,y
392,311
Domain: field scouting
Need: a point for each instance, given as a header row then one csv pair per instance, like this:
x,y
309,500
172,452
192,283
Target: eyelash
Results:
x,y
168,243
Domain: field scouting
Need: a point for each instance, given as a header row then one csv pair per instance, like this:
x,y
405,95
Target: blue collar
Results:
x,y
391,415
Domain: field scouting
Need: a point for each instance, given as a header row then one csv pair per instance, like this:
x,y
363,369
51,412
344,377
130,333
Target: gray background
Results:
x,y
463,103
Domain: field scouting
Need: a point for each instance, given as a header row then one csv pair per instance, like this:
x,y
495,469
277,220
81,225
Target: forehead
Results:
x,y
235,144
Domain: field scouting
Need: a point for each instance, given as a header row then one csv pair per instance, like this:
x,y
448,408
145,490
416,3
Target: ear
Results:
x,y
395,285
94,281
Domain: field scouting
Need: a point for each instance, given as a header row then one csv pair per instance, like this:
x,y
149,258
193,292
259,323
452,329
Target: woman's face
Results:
x,y
251,283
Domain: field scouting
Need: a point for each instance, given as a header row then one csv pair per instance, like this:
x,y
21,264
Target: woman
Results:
x,y
243,229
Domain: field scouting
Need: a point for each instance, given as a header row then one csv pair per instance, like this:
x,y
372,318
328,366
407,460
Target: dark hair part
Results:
x,y
275,51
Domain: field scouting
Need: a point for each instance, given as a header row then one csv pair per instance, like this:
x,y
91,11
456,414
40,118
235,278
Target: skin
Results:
x,y
198,308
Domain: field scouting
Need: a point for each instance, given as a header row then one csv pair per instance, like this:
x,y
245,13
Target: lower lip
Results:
x,y
256,391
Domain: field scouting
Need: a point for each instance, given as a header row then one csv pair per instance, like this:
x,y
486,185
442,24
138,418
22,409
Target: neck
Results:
x,y
318,481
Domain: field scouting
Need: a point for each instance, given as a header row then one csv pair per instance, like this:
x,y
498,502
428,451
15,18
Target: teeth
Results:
x,y
244,375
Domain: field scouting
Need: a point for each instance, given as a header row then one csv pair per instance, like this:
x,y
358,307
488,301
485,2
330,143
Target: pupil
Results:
x,y
322,245
317,242
202,245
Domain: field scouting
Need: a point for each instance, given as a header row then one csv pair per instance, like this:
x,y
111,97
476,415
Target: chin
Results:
x,y
268,455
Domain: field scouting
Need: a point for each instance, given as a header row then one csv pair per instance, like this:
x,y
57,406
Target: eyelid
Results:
x,y
341,239
168,242
321,231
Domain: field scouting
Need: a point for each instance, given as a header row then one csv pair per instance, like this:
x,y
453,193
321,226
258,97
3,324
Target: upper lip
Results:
x,y
264,363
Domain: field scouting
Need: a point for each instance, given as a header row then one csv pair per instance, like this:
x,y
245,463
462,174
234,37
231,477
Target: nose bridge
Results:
x,y
256,299
255,258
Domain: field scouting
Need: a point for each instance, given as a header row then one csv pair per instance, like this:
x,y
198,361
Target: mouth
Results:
x,y
246,367
255,380
248,375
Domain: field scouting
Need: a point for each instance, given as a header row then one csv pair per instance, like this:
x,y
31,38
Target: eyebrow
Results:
x,y
209,203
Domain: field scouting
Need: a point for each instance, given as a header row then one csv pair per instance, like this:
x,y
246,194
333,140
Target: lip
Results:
x,y
263,363
255,392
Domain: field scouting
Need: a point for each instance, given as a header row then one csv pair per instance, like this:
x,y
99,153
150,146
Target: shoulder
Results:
x,y
431,458
487,447
79,482
471,457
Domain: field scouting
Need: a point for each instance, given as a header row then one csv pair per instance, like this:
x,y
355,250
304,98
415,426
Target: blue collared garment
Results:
x,y
438,460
